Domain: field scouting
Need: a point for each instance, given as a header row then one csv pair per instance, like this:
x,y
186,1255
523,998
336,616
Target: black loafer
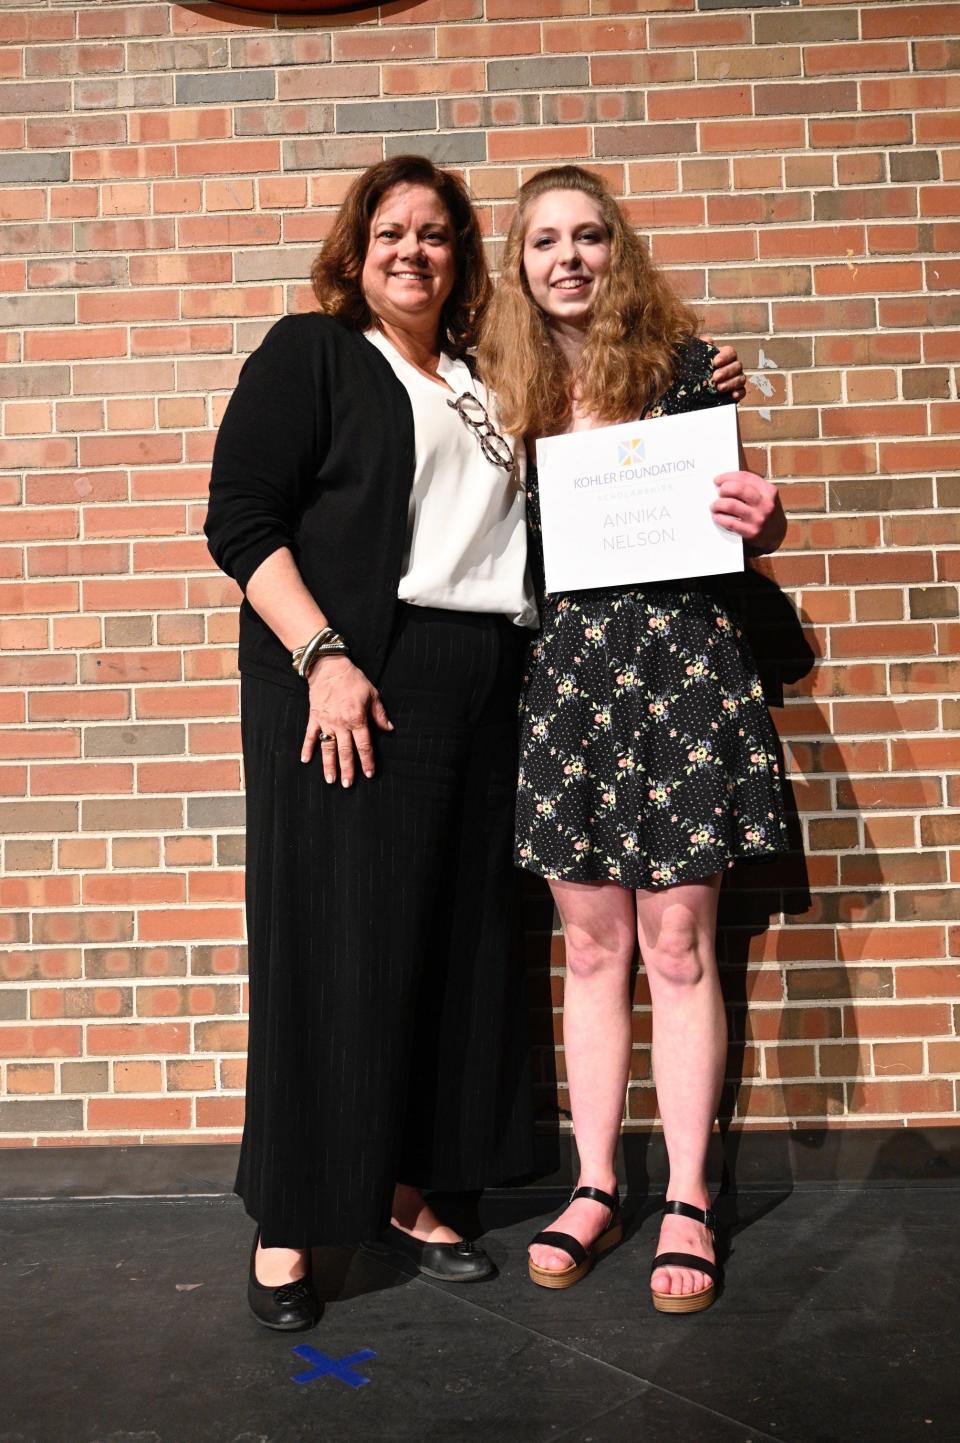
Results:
x,y
288,1308
461,1262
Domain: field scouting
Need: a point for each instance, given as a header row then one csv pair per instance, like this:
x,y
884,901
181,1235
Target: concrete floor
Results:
x,y
124,1321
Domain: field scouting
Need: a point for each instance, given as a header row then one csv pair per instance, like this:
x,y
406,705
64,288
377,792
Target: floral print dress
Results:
x,y
647,754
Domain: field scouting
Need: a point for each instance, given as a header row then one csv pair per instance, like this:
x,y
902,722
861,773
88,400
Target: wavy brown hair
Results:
x,y
336,272
634,330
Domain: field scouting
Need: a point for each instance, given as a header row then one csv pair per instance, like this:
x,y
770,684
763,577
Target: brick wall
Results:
x,y
166,174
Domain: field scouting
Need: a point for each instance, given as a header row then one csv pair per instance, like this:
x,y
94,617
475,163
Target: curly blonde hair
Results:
x,y
635,328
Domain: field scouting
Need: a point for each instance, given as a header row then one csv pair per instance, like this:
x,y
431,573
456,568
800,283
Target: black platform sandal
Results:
x,y
583,1258
688,1302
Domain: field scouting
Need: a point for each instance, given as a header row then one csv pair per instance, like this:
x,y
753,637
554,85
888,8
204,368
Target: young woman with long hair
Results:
x,y
648,758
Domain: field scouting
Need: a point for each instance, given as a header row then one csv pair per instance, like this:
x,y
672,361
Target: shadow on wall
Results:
x,y
545,992
752,896
818,1052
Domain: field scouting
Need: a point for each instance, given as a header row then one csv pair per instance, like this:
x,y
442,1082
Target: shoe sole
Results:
x,y
286,1327
446,1278
560,1278
684,1302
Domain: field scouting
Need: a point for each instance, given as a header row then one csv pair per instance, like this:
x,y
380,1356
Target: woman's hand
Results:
x,y
728,371
342,700
750,506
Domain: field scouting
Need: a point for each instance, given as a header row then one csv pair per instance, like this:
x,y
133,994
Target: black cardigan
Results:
x,y
315,452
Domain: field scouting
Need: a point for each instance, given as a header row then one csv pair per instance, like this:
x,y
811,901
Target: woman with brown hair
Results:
x,y
375,522
648,759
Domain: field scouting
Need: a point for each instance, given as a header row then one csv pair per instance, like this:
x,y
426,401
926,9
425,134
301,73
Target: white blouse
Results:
x,y
466,547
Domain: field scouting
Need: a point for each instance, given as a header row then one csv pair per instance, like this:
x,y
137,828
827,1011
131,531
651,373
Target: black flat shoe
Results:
x,y
461,1262
287,1308
688,1302
582,1259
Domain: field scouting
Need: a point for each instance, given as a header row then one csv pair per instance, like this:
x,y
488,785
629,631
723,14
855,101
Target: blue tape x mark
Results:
x,y
324,1367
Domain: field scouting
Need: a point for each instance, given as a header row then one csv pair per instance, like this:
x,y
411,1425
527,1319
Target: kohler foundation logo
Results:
x,y
632,451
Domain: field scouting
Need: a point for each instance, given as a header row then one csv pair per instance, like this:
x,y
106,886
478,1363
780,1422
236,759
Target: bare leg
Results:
x,y
275,1266
414,1216
676,929
598,923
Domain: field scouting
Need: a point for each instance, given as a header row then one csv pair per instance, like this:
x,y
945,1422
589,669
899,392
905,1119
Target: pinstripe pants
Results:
x,y
387,1011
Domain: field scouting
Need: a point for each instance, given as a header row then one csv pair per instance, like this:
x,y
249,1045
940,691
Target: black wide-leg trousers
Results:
x,y
387,1008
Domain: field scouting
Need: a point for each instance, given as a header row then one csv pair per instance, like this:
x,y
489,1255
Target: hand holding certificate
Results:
x,y
623,505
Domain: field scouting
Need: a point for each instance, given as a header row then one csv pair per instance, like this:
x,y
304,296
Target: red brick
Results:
x,y
98,306
645,68
22,204
220,1111
713,100
180,340
128,889
135,1114
844,59
927,92
940,200
124,163
931,1095
880,22
175,270
572,142
926,676
236,157
182,777
738,135
593,36
386,44
40,1041
539,9
75,344
896,420
726,29
124,1039
46,454
492,40
191,924
897,457
144,593
869,278
944,1056
129,449
938,125
24,1079
228,230
221,1036
935,54
942,980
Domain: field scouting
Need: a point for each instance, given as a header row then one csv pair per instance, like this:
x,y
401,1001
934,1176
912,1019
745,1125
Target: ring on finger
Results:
x,y
327,737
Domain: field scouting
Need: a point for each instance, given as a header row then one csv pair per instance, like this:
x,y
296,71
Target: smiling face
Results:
x,y
566,253
410,266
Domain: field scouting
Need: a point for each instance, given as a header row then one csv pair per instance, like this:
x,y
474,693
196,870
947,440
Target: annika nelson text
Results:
x,y
641,516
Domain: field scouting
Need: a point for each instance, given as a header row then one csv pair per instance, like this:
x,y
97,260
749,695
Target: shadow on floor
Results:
x,y
125,1322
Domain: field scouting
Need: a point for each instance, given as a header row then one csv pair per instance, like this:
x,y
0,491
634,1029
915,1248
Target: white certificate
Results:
x,y
622,505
